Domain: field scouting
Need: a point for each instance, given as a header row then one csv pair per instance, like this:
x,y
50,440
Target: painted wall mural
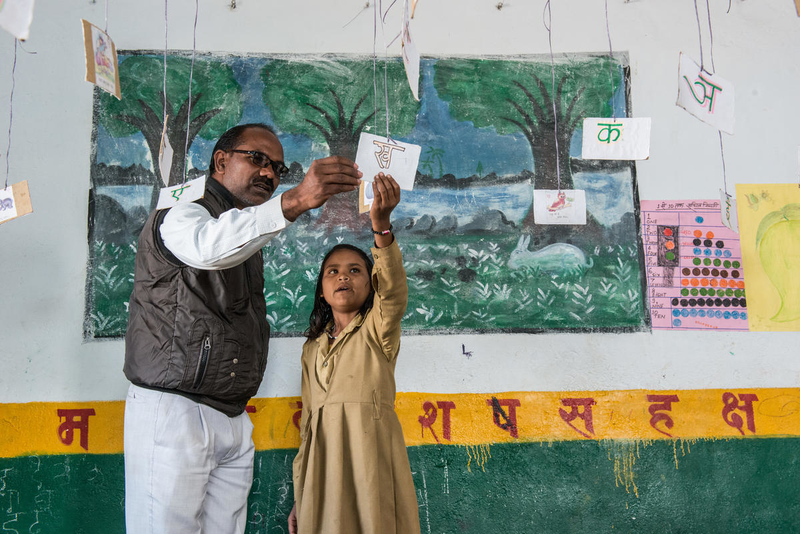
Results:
x,y
475,259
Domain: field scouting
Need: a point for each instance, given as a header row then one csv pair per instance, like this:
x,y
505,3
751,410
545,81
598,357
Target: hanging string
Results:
x,y
722,153
699,35
189,111
385,65
611,67
166,30
105,28
11,109
548,24
375,64
711,37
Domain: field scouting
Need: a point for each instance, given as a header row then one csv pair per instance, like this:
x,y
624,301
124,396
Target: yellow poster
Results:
x,y
769,227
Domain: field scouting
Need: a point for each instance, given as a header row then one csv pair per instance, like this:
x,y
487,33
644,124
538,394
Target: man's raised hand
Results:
x,y
325,177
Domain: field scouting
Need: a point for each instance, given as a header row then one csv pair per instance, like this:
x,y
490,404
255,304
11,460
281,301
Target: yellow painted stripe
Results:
x,y
475,419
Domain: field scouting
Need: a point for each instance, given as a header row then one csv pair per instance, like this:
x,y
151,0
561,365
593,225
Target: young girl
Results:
x,y
351,474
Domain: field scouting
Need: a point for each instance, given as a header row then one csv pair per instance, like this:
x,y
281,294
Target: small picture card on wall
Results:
x,y
378,154
15,201
365,197
728,211
16,17
181,193
567,206
410,53
102,68
607,138
708,97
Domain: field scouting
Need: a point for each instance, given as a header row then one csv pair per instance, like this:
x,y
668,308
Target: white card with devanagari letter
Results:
x,y
708,97
378,154
181,193
567,206
607,138
16,17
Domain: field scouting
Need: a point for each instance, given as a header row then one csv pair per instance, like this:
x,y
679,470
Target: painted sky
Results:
x,y
435,128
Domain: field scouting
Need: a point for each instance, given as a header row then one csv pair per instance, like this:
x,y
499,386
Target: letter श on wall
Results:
x,y
707,96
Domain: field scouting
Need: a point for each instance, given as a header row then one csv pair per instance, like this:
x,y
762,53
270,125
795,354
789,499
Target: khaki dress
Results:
x,y
351,474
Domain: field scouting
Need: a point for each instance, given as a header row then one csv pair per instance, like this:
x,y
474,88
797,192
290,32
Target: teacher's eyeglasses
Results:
x,y
262,160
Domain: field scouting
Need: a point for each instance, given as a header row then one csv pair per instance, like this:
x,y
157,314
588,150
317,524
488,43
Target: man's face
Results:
x,y
249,184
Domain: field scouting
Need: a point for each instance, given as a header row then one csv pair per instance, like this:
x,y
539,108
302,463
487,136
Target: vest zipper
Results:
x,y
202,363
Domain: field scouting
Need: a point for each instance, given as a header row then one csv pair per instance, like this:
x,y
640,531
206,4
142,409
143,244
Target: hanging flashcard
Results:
x,y
101,59
16,17
769,225
728,211
695,275
567,206
378,154
410,53
708,97
181,193
8,209
616,138
165,153
365,197
15,201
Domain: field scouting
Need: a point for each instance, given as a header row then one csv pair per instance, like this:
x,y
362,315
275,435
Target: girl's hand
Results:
x,y
387,196
293,520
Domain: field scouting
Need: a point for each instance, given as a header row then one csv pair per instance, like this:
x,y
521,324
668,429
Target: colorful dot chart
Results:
x,y
694,267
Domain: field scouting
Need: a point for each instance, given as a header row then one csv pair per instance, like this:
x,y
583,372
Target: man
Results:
x,y
196,346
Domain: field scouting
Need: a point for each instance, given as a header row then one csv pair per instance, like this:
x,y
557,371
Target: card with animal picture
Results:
x,y
101,59
15,201
378,154
565,206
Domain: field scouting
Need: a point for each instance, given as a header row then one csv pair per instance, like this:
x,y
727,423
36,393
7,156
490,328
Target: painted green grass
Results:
x,y
456,283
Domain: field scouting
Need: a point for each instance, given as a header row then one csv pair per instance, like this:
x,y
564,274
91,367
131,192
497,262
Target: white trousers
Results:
x,y
188,467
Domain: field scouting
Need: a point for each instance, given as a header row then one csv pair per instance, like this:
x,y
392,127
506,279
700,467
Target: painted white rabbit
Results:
x,y
559,258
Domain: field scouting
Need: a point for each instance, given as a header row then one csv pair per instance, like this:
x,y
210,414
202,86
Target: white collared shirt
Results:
x,y
203,242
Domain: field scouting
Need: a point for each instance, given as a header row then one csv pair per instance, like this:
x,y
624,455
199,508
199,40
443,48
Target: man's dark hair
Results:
x,y
232,138
322,313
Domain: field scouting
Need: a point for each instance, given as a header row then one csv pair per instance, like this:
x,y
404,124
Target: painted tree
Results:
x,y
517,96
332,102
216,104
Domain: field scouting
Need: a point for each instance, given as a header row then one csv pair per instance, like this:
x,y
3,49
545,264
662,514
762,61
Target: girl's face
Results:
x,y
346,282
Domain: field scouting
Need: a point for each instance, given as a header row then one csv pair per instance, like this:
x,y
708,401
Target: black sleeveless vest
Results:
x,y
198,333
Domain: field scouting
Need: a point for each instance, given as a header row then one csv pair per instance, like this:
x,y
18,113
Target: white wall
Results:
x,y
43,258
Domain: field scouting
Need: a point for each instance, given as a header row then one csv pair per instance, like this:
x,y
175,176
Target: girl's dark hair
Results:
x,y
322,314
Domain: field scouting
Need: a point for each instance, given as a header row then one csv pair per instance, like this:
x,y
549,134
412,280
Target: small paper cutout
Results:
x,y
16,17
410,53
8,209
102,68
376,154
728,211
165,153
567,206
15,201
181,193
606,138
708,97
365,197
